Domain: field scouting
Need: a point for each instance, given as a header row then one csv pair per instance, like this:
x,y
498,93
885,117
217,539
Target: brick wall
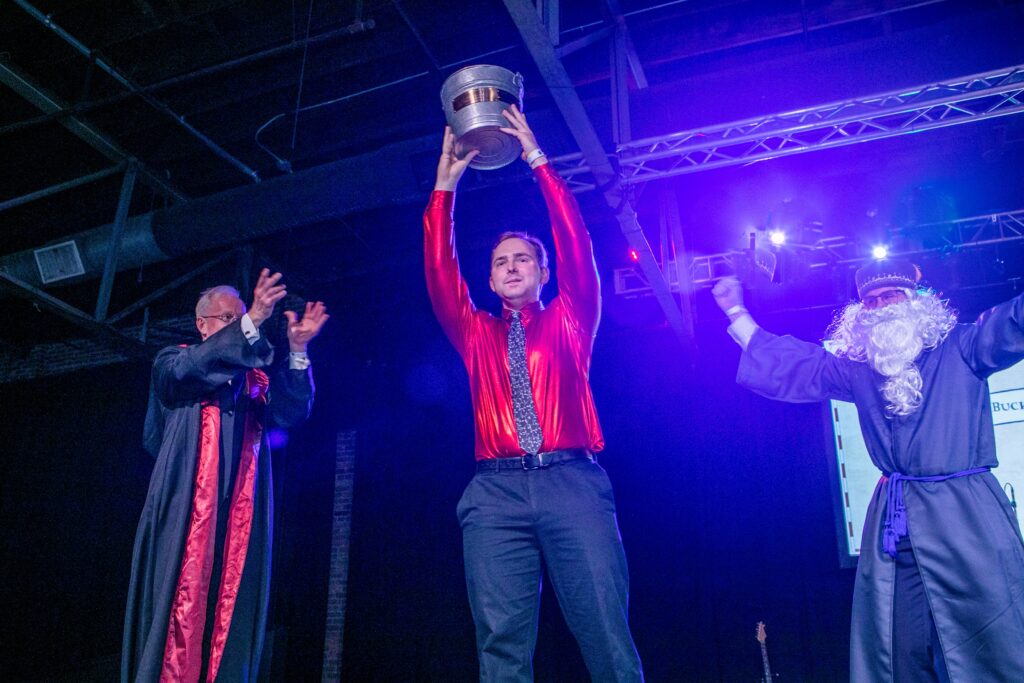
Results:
x,y
337,582
58,358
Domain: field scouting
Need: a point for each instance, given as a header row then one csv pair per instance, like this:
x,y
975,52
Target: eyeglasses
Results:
x,y
226,318
891,296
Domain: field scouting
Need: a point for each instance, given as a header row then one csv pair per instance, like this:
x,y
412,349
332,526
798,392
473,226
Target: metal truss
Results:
x,y
536,36
953,236
966,233
982,230
938,105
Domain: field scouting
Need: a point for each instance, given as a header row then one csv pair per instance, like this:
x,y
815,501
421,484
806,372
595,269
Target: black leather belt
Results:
x,y
534,462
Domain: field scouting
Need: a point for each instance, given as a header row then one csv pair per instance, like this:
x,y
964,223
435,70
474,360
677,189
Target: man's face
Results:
x,y
882,297
516,276
223,310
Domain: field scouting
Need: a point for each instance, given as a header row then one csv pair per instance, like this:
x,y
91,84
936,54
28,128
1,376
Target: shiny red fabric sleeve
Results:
x,y
559,339
448,292
578,284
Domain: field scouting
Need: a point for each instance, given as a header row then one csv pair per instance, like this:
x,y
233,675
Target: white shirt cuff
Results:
x,y
298,360
742,329
252,335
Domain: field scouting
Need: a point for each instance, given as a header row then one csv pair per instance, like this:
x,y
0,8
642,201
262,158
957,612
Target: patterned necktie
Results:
x,y
527,425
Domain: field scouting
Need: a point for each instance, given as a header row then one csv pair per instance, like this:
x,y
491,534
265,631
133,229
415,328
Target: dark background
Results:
x,y
724,499
724,505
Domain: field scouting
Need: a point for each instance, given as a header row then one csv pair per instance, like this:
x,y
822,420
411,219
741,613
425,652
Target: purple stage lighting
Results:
x,y
277,438
879,252
777,237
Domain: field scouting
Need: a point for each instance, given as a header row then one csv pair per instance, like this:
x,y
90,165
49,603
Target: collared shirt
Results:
x,y
297,360
559,338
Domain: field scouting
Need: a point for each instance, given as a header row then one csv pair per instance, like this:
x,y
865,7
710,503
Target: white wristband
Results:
x,y
738,308
534,155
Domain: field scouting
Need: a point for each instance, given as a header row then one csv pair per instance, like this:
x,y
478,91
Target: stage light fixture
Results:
x,y
777,237
879,252
634,255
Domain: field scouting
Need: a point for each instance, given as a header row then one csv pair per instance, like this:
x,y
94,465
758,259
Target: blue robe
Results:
x,y
963,531
183,377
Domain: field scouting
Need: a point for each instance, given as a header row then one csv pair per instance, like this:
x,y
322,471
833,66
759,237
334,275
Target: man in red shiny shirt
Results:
x,y
539,498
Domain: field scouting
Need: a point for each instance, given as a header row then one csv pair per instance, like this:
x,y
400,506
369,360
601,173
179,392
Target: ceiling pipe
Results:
x,y
248,212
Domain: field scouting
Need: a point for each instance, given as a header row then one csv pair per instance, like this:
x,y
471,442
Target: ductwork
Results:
x,y
249,212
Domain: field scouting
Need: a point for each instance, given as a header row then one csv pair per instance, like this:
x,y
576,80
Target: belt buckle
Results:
x,y
533,461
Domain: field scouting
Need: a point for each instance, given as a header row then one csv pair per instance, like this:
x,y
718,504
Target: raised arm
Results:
x,y
996,340
192,372
780,368
792,370
578,284
448,292
292,389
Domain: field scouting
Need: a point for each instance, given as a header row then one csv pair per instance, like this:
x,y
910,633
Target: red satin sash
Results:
x,y
183,648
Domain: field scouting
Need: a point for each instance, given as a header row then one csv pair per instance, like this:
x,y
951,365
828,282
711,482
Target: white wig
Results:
x,y
891,338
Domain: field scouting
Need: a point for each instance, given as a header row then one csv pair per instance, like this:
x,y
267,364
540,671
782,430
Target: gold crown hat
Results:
x,y
887,273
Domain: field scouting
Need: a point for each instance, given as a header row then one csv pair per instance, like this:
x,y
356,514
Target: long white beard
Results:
x,y
890,339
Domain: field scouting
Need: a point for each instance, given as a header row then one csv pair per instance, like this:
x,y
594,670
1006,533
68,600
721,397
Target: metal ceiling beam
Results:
x,y
595,36
315,195
99,141
622,130
417,35
134,88
549,16
109,336
171,286
618,20
600,32
699,28
535,36
123,27
60,187
674,251
110,265
84,107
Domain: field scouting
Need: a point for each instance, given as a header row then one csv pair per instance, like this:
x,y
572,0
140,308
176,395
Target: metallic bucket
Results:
x,y
473,98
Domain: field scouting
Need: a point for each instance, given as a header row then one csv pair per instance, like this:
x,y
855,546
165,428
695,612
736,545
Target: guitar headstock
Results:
x,y
761,637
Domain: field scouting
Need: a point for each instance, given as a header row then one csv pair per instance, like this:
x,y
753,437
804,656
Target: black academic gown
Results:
x,y
182,378
963,531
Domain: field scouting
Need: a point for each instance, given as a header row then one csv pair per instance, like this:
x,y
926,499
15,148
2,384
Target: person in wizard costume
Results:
x,y
939,592
197,601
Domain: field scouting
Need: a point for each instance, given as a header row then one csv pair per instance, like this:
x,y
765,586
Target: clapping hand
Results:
x,y
301,332
267,293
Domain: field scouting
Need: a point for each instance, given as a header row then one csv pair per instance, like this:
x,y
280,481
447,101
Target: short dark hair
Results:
x,y
540,251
